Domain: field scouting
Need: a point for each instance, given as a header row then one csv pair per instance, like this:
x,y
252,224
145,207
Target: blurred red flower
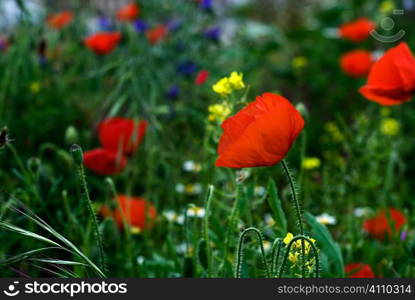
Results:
x,y
359,270
60,20
103,42
121,134
392,78
356,63
128,12
385,223
157,33
356,31
201,77
260,134
104,162
134,210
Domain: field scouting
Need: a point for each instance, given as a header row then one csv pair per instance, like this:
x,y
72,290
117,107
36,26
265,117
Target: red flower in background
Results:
x,y
359,270
135,211
128,12
356,63
201,77
385,223
260,134
104,162
103,43
157,33
121,134
356,31
391,80
59,20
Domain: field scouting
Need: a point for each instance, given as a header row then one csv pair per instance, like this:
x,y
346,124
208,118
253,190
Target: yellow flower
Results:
x,y
236,80
35,87
218,112
293,257
310,163
386,7
135,230
299,62
288,238
390,126
222,87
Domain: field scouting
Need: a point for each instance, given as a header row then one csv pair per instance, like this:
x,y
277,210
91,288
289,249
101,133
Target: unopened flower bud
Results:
x,y
71,135
77,154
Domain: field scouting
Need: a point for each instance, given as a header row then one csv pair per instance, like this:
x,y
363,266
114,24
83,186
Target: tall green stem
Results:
x,y
77,154
297,210
206,230
294,196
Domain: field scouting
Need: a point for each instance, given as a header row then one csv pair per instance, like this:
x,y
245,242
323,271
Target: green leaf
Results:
x,y
202,253
326,243
275,204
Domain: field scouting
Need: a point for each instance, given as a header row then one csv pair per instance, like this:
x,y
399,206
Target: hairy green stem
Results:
x,y
239,253
275,255
297,209
88,203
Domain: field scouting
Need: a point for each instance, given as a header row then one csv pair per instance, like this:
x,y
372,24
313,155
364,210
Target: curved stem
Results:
x,y
239,253
276,246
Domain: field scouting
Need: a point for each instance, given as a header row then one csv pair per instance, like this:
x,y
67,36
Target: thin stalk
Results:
x,y
92,215
211,188
297,209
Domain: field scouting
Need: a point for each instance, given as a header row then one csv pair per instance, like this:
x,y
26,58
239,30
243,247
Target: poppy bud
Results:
x,y
71,135
77,154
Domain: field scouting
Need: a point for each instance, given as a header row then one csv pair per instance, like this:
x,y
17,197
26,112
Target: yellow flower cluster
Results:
x,y
296,249
310,163
390,126
218,112
299,62
227,85
35,87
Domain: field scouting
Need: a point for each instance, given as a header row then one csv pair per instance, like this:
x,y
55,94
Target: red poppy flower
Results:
x,y
391,80
201,77
356,63
103,43
157,33
135,211
356,31
60,20
359,270
104,162
260,134
121,134
384,223
128,12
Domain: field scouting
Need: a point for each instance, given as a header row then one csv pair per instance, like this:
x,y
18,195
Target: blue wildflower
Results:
x,y
173,92
187,68
140,26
